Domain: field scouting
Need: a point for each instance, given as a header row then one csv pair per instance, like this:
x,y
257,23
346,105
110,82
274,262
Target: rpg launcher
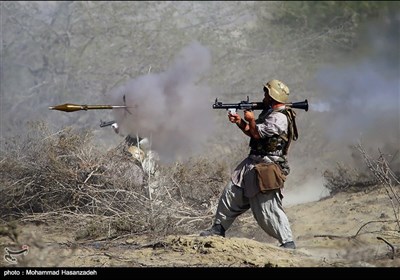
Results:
x,y
247,105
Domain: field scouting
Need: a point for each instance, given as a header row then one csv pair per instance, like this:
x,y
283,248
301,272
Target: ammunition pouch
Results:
x,y
268,145
275,143
269,176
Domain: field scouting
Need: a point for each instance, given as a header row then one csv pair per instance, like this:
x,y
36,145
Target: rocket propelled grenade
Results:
x,y
68,107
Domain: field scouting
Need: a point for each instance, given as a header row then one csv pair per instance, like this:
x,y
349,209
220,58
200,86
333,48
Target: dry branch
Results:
x,y
390,245
380,168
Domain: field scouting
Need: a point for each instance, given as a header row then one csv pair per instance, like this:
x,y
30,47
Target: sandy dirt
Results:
x,y
345,230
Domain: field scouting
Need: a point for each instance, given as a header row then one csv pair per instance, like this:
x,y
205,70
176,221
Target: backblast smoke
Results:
x,y
172,109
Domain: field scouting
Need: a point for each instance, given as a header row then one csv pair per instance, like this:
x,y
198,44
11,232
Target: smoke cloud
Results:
x,y
360,96
171,108
356,100
320,107
362,102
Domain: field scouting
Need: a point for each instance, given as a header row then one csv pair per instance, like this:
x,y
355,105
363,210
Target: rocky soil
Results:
x,y
345,230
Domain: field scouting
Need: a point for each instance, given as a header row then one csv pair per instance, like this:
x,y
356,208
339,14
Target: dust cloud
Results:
x,y
357,100
312,190
172,109
360,94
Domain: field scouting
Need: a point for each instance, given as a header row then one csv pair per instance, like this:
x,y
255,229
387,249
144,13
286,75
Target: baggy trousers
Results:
x,y
266,207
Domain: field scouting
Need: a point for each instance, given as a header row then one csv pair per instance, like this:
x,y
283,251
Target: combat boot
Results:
x,y
217,229
288,245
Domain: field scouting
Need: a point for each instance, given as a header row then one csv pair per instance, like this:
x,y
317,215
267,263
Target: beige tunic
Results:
x,y
244,175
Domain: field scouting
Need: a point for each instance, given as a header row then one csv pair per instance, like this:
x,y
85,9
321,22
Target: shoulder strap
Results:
x,y
292,128
292,120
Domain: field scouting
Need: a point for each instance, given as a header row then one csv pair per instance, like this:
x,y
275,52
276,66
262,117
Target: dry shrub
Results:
x,y
348,179
200,181
63,173
63,177
358,176
183,195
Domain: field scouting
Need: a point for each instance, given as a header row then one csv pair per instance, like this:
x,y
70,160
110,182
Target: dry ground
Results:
x,y
346,230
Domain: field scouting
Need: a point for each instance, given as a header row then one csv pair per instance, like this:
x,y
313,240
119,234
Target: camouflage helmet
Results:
x,y
277,90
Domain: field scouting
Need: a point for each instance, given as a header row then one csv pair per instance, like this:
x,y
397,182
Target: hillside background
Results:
x,y
341,56
171,60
